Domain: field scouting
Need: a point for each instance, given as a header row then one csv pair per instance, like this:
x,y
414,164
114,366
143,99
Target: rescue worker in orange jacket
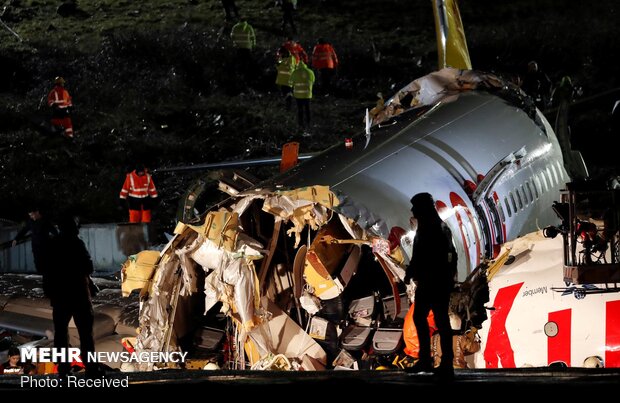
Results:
x,y
325,60
60,101
294,49
139,190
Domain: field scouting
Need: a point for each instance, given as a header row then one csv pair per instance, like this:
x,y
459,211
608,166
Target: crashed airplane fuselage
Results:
x,y
292,252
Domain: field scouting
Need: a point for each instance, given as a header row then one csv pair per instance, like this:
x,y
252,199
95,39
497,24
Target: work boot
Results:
x,y
420,366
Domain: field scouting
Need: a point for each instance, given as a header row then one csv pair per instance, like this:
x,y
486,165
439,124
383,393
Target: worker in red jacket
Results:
x,y
139,190
325,60
60,101
294,49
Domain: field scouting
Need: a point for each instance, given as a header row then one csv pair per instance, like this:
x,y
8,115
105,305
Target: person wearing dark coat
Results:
x,y
41,232
433,269
231,10
288,14
69,293
537,85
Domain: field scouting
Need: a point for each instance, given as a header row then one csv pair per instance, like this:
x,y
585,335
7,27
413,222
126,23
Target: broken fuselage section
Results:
x,y
275,262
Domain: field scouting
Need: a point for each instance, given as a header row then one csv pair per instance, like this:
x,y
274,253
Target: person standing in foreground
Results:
x,y
69,293
137,188
433,269
60,101
41,232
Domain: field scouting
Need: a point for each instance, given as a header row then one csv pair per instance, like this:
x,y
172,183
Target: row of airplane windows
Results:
x,y
532,189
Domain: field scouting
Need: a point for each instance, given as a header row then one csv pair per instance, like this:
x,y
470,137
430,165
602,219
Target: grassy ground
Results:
x,y
158,80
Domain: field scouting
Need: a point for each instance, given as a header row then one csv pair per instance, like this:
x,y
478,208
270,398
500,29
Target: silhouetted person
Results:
x,y
69,293
288,14
41,231
433,269
230,8
537,85
564,92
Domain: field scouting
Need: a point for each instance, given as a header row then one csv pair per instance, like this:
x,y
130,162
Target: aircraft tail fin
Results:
x,y
451,43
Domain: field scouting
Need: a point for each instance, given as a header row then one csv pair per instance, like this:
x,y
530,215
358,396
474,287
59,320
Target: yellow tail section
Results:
x,y
451,42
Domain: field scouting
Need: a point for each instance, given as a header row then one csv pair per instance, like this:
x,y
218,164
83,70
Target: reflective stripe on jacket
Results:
x,y
59,96
285,68
302,80
242,35
138,186
324,57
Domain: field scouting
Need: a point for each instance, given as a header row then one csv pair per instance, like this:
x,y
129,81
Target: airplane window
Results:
x,y
528,187
548,171
536,185
526,195
555,174
507,207
519,198
501,211
561,172
544,180
514,204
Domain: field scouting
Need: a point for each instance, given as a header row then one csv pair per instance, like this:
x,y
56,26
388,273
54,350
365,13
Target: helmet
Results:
x,y
59,80
593,362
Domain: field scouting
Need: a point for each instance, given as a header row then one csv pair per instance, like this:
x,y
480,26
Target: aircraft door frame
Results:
x,y
469,226
464,228
486,230
495,222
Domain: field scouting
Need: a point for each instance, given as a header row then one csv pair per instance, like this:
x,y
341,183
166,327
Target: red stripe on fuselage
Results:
x,y
612,334
498,348
558,346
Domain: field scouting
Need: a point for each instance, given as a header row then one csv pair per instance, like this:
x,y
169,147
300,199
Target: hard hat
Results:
x,y
593,362
59,80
